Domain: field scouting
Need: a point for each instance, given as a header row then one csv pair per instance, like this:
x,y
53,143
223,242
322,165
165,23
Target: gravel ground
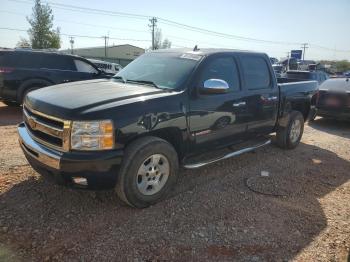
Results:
x,y
224,212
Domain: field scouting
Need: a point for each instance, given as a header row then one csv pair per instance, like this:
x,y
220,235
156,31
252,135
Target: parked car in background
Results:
x,y
166,109
273,60
296,75
22,71
107,67
304,64
290,63
278,69
334,99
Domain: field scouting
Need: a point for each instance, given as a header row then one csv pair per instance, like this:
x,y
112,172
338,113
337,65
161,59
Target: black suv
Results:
x,y
22,71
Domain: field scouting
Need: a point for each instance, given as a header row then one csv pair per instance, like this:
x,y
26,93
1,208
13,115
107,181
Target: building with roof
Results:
x,y
121,54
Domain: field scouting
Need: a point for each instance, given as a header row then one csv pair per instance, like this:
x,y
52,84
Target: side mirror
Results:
x,y
215,86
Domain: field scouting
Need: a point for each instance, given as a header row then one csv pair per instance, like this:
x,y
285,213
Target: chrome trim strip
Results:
x,y
41,154
65,135
229,155
43,142
40,126
44,115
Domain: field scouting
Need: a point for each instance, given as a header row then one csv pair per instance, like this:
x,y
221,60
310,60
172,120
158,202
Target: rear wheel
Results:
x,y
149,171
289,137
27,91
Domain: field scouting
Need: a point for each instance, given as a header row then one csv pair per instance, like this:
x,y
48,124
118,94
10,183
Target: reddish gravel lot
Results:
x,y
223,212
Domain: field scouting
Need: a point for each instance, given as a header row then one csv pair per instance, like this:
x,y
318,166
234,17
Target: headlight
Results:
x,y
92,135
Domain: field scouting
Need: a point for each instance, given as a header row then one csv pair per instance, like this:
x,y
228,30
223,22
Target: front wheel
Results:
x,y
289,137
149,171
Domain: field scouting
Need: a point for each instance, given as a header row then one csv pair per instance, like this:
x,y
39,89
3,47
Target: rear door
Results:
x,y
58,68
217,120
261,94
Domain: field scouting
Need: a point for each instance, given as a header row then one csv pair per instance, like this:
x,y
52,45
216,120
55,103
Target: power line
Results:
x,y
86,9
329,49
172,23
80,23
164,21
82,36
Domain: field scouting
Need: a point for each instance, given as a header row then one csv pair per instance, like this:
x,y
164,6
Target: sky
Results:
x,y
323,24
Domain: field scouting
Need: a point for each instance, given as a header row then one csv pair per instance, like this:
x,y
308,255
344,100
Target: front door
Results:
x,y
217,120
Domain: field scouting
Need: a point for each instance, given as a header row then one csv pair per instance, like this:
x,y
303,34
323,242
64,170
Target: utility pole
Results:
x,y
288,54
304,47
71,41
153,25
105,38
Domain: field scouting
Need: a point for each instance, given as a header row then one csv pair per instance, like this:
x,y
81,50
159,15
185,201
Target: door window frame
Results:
x,y
205,63
244,85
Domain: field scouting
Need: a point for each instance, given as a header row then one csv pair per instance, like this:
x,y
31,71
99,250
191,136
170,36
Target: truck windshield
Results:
x,y
163,70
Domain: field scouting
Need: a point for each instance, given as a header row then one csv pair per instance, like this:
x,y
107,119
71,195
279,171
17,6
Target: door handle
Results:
x,y
272,98
239,104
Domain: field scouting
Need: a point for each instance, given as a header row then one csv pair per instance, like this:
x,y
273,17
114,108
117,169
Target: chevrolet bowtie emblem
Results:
x,y
31,122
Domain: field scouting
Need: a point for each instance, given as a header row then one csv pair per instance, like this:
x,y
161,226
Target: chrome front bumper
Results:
x,y
34,150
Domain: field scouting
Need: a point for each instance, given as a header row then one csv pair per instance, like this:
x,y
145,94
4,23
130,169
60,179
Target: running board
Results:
x,y
229,155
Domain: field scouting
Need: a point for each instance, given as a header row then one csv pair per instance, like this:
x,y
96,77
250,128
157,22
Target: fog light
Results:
x,y
80,181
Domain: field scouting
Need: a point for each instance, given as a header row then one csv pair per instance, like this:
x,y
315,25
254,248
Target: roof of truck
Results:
x,y
205,51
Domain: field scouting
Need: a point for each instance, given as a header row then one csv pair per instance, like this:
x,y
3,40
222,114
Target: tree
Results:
x,y
23,43
157,38
41,34
342,66
166,44
158,43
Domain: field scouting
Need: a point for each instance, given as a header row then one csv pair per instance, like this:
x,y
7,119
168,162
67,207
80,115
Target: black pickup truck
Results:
x,y
164,110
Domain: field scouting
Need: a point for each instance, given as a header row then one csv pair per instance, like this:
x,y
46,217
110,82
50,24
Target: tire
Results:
x,y
26,92
30,85
289,137
138,188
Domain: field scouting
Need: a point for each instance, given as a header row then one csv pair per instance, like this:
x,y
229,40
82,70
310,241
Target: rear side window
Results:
x,y
57,62
223,68
256,72
21,60
84,67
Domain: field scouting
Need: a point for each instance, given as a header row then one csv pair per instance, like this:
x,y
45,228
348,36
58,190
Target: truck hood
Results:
x,y
72,100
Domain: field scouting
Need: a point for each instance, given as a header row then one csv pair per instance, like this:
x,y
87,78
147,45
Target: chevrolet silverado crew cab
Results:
x,y
164,110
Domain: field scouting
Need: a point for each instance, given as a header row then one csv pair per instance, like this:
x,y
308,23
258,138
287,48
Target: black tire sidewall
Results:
x,y
131,192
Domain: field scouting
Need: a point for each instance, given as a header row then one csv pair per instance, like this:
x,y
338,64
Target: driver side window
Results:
x,y
223,68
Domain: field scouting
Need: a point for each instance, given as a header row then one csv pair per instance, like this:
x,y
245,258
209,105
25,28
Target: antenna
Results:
x,y
196,48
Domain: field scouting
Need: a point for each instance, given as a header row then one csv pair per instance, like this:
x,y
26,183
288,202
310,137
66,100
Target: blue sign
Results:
x,y
296,54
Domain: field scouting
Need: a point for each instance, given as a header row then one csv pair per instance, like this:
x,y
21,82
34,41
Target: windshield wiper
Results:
x,y
146,82
120,78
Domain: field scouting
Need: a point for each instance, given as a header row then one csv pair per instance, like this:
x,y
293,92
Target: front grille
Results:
x,y
47,130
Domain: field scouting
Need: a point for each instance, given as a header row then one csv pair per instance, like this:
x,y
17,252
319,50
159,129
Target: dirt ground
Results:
x,y
223,212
